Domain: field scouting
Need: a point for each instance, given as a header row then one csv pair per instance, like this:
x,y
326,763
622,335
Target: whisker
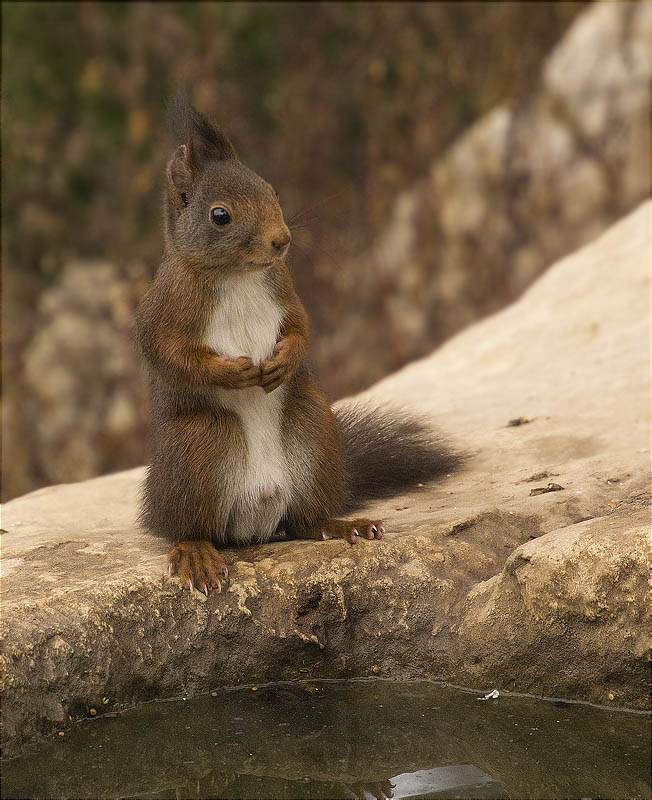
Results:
x,y
331,257
307,251
316,205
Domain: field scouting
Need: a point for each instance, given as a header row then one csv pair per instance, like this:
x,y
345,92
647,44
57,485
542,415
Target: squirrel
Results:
x,y
244,445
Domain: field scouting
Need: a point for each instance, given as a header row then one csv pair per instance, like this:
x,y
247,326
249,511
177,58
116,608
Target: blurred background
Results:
x,y
434,159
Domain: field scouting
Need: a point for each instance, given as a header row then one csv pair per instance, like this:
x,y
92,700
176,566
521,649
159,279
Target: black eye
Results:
x,y
220,215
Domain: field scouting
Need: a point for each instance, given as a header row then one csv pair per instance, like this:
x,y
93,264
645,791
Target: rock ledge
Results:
x,y
479,581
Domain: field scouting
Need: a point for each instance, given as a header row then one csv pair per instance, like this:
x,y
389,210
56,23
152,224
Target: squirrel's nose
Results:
x,y
281,240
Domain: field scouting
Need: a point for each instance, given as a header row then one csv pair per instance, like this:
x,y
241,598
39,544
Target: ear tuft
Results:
x,y
203,140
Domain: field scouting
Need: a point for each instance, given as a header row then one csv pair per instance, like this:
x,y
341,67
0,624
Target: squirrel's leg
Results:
x,y
313,438
190,490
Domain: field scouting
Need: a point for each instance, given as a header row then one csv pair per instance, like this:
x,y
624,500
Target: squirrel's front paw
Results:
x,y
278,368
198,565
238,373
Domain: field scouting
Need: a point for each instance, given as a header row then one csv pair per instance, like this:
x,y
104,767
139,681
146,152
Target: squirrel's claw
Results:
x,y
350,530
198,564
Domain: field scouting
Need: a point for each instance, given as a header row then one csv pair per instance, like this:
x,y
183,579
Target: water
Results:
x,y
356,739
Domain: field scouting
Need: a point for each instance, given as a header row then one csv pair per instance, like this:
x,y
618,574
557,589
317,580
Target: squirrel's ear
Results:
x,y
203,141
179,176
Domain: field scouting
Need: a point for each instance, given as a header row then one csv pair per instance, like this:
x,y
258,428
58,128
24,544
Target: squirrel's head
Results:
x,y
220,214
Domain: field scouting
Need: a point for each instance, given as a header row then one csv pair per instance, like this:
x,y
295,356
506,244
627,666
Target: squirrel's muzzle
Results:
x,y
281,242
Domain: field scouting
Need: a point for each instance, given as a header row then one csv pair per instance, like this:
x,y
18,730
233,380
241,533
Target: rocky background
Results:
x,y
432,158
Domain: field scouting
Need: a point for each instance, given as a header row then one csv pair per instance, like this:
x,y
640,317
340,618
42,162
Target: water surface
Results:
x,y
356,739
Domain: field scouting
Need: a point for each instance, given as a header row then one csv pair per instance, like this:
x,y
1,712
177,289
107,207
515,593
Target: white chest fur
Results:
x,y
246,322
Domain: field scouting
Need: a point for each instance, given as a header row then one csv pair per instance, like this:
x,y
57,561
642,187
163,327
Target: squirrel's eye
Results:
x,y
220,215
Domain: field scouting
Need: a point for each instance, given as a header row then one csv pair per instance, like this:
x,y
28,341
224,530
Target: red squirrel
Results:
x,y
243,443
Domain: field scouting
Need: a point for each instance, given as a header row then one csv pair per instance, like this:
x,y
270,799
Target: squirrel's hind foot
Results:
x,y
348,529
198,565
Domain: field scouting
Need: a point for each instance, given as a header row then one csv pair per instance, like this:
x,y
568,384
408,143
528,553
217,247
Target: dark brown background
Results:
x,y
353,111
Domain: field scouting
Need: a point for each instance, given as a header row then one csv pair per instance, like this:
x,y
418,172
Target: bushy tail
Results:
x,y
390,451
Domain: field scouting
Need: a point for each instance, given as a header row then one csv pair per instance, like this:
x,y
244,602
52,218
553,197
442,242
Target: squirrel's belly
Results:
x,y
264,491
246,322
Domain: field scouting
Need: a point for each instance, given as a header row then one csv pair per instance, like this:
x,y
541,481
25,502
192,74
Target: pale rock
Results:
x,y
477,582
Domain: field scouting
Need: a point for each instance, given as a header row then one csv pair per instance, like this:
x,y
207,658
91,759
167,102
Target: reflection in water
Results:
x,y
357,739
463,780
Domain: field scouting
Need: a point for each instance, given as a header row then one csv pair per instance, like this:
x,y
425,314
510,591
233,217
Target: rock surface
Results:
x,y
480,581
525,185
